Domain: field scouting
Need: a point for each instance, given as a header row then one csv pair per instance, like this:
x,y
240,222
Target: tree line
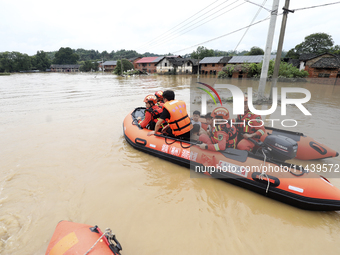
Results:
x,y
88,59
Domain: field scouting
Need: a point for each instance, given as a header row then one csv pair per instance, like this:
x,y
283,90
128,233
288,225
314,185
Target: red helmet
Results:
x,y
220,111
150,98
159,95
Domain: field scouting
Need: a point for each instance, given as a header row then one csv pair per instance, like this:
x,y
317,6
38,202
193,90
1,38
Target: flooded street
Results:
x,y
64,157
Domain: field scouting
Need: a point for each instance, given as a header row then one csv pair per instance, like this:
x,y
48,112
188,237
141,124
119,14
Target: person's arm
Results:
x,y
164,115
146,120
157,127
258,125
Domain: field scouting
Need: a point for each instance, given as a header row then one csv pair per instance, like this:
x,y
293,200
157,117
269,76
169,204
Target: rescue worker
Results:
x,y
249,125
222,135
175,112
159,96
152,113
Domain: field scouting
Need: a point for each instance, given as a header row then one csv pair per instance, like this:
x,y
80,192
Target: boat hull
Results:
x,y
281,181
76,238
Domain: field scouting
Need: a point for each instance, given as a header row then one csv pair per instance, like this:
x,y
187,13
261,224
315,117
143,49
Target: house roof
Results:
x,y
64,66
133,59
294,62
174,56
193,61
210,60
249,59
327,63
308,56
225,60
110,63
149,60
177,61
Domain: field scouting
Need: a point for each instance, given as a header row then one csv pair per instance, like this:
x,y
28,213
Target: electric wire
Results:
x,y
264,2
315,6
201,19
170,39
162,35
247,27
262,6
237,30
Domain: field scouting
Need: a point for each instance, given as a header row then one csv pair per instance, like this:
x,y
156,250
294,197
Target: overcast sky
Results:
x,y
159,27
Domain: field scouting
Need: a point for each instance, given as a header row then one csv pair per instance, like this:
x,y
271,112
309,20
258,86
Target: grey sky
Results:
x,y
29,26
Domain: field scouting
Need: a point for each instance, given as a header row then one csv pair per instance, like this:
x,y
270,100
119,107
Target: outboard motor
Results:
x,y
279,147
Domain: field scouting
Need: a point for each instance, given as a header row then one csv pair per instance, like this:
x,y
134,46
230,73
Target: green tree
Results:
x,y
88,65
314,43
65,56
228,69
255,51
14,62
202,52
127,65
41,61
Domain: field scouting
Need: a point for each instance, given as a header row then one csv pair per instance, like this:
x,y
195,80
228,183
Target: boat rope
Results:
x,y
107,232
264,174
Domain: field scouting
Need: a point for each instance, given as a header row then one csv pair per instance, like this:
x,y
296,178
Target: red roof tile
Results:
x,y
146,60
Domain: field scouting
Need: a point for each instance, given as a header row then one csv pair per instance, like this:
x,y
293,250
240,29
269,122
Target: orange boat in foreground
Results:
x,y
75,238
258,172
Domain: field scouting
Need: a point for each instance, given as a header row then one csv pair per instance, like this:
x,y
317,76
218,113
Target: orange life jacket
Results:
x,y
230,131
155,112
179,120
255,121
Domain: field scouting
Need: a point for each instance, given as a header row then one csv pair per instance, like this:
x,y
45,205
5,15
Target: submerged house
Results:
x,y
322,68
148,64
213,65
238,61
176,65
109,66
65,68
134,60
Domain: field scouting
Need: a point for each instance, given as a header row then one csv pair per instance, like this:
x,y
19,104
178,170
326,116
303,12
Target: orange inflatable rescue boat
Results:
x,y
263,172
75,238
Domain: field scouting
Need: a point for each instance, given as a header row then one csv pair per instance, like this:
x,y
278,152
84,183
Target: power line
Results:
x,y
170,39
261,6
181,23
223,35
169,36
315,6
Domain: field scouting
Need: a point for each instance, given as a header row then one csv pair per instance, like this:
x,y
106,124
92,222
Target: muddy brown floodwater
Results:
x,y
64,157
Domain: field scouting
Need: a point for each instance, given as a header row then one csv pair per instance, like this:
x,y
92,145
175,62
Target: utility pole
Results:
x,y
121,65
266,59
198,70
279,47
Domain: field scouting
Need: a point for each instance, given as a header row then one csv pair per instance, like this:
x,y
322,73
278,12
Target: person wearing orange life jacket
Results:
x,y
152,112
159,96
175,112
249,125
222,135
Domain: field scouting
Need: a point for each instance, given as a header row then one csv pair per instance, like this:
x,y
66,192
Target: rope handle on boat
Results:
x,y
179,140
109,236
264,174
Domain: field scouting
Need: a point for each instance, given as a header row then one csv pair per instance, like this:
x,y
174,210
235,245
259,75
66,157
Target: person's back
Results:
x,y
174,111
